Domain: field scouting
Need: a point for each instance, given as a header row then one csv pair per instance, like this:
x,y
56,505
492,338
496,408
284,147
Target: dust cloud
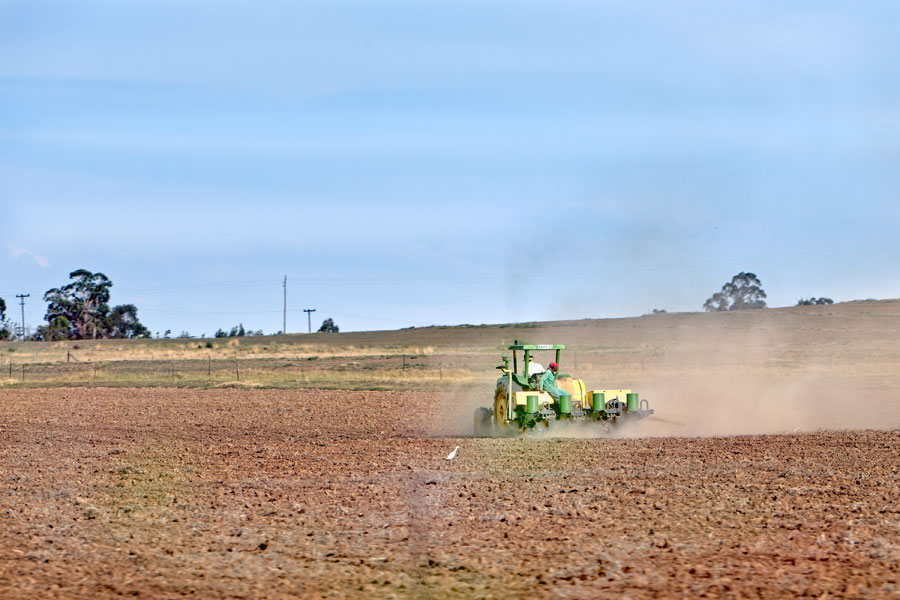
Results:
x,y
712,406
768,374
720,375
454,411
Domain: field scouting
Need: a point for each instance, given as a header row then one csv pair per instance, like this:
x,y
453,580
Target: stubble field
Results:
x,y
772,471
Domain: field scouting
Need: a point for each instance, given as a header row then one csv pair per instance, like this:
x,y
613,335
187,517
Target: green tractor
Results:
x,y
521,405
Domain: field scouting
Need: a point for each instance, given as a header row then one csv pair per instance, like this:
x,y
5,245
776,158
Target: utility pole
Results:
x,y
309,312
21,298
284,325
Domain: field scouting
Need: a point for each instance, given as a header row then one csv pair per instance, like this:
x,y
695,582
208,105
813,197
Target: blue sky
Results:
x,y
415,163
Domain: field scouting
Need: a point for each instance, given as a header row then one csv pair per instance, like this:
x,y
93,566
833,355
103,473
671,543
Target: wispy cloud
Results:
x,y
16,252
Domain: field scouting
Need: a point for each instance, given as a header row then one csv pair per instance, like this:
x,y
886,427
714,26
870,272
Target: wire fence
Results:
x,y
383,371
214,371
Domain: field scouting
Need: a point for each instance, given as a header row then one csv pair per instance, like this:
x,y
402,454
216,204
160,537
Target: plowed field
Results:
x,y
230,494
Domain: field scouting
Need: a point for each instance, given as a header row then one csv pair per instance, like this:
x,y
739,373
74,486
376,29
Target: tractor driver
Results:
x,y
534,366
548,382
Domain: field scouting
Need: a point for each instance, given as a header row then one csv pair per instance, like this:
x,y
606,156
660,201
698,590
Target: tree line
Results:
x,y
744,292
80,310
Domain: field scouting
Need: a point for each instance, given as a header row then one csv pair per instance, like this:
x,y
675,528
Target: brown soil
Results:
x,y
232,493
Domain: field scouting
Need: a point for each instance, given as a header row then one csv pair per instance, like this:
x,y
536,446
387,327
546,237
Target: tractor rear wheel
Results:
x,y
503,425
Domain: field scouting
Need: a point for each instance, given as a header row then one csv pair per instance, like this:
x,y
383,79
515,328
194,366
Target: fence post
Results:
x,y
23,372
237,372
208,365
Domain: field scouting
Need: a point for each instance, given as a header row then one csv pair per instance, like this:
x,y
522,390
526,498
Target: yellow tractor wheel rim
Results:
x,y
500,409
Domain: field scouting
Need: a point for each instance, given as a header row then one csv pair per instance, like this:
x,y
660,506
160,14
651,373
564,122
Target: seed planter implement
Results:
x,y
519,403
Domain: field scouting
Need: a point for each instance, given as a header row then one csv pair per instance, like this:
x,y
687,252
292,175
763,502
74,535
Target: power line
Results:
x,y
199,286
272,311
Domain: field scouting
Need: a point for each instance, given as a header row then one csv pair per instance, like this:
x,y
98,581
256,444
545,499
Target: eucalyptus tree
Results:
x,y
328,326
56,330
4,325
123,322
744,291
84,303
